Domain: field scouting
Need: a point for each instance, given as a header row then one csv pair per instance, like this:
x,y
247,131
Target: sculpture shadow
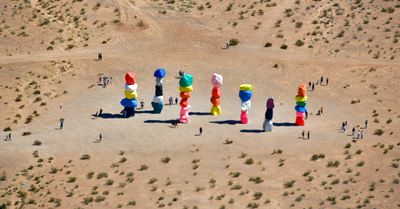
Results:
x,y
111,116
199,113
161,121
286,124
252,131
144,111
229,122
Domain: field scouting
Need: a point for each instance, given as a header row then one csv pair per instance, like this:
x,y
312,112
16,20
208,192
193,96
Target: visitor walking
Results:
x,y
100,112
200,131
326,81
308,134
312,87
309,84
100,137
100,56
321,80
170,100
366,124
176,100
227,44
302,134
353,131
362,134
306,113
61,123
9,136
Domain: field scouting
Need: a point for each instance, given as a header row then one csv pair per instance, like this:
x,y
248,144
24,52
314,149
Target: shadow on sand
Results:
x,y
144,111
229,122
199,113
110,116
160,121
252,131
285,124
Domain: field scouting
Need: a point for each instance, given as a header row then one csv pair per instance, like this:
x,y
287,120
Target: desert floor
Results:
x,y
49,70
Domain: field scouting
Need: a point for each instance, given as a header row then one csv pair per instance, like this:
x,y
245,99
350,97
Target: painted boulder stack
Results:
x,y
216,94
129,102
245,94
185,87
158,99
269,114
301,102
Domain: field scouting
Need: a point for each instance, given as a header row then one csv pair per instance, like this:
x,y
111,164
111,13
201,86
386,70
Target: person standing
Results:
x,y
141,104
200,131
326,81
100,112
170,100
6,137
302,134
306,114
308,134
321,80
176,100
100,56
309,84
366,124
61,123
227,44
353,131
312,87
100,137
9,136
322,110
362,134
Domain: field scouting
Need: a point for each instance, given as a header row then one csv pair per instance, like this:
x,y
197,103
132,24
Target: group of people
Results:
x,y
311,85
303,134
171,100
8,137
99,113
105,80
356,132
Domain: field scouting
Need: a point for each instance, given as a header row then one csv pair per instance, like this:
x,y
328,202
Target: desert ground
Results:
x,y
49,71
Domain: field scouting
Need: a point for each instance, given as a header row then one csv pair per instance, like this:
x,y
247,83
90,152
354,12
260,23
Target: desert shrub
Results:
x,y
85,157
233,42
378,132
288,184
268,44
299,43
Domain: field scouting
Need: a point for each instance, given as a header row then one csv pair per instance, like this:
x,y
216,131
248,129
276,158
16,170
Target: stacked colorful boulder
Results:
x,y
130,102
158,99
301,102
245,94
269,114
216,81
185,87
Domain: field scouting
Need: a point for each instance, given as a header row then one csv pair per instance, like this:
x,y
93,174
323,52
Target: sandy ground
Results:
x,y
144,163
